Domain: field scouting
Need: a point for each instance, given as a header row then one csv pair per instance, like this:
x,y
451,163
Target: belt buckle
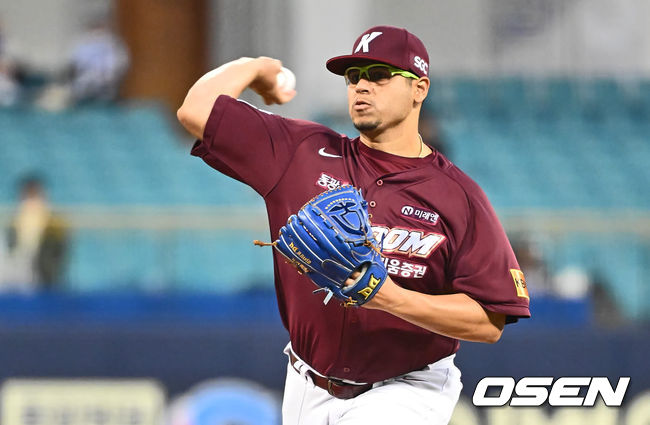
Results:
x,y
342,390
333,381
339,385
329,387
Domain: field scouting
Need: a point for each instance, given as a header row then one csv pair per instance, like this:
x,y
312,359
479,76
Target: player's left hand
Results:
x,y
330,240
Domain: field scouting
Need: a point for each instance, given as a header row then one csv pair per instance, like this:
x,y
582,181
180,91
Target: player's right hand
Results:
x,y
265,84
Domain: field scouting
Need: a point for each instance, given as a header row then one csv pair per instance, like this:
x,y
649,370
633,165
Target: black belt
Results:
x,y
334,387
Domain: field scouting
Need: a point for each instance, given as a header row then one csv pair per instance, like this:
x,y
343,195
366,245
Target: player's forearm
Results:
x,y
230,79
454,315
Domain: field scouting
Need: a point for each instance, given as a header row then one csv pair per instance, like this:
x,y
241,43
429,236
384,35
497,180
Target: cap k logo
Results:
x,y
365,41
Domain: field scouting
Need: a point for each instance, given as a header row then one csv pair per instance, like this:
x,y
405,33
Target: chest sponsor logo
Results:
x,y
403,268
420,214
329,182
414,243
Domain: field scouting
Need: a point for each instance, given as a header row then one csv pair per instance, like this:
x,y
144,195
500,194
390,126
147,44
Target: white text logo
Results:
x,y
406,241
365,40
328,182
420,214
533,391
421,64
322,152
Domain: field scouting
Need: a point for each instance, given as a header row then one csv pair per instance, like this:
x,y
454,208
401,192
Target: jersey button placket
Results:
x,y
373,204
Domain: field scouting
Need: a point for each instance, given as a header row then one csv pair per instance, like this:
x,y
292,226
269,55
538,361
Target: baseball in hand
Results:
x,y
286,80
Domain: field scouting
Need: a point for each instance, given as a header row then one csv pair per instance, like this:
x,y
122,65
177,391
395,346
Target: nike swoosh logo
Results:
x,y
322,152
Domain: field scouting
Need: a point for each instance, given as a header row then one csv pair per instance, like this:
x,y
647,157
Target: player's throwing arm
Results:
x,y
261,75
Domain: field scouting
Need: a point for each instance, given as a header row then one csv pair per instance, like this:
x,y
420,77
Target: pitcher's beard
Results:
x,y
366,126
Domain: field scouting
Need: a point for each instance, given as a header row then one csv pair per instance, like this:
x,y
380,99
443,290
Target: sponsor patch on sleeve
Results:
x,y
520,283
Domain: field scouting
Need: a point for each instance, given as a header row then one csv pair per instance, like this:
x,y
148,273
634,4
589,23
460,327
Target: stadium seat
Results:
x,y
529,143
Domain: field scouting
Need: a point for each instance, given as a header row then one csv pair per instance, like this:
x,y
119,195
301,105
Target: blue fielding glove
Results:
x,y
331,237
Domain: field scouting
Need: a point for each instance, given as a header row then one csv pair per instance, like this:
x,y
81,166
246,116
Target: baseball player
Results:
x,y
446,271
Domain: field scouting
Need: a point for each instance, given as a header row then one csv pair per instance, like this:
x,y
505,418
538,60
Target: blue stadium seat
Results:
x,y
525,141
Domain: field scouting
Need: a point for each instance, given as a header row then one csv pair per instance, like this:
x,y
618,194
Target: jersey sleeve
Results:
x,y
249,144
485,267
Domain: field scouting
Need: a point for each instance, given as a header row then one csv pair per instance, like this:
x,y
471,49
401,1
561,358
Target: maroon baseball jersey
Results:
x,y
440,236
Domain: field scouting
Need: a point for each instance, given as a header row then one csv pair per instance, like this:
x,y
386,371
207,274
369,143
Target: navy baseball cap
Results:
x,y
391,45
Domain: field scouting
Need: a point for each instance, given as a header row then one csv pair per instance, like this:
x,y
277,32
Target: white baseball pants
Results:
x,y
426,396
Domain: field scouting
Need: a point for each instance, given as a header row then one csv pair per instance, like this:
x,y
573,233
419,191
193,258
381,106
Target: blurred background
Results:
x,y
130,290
